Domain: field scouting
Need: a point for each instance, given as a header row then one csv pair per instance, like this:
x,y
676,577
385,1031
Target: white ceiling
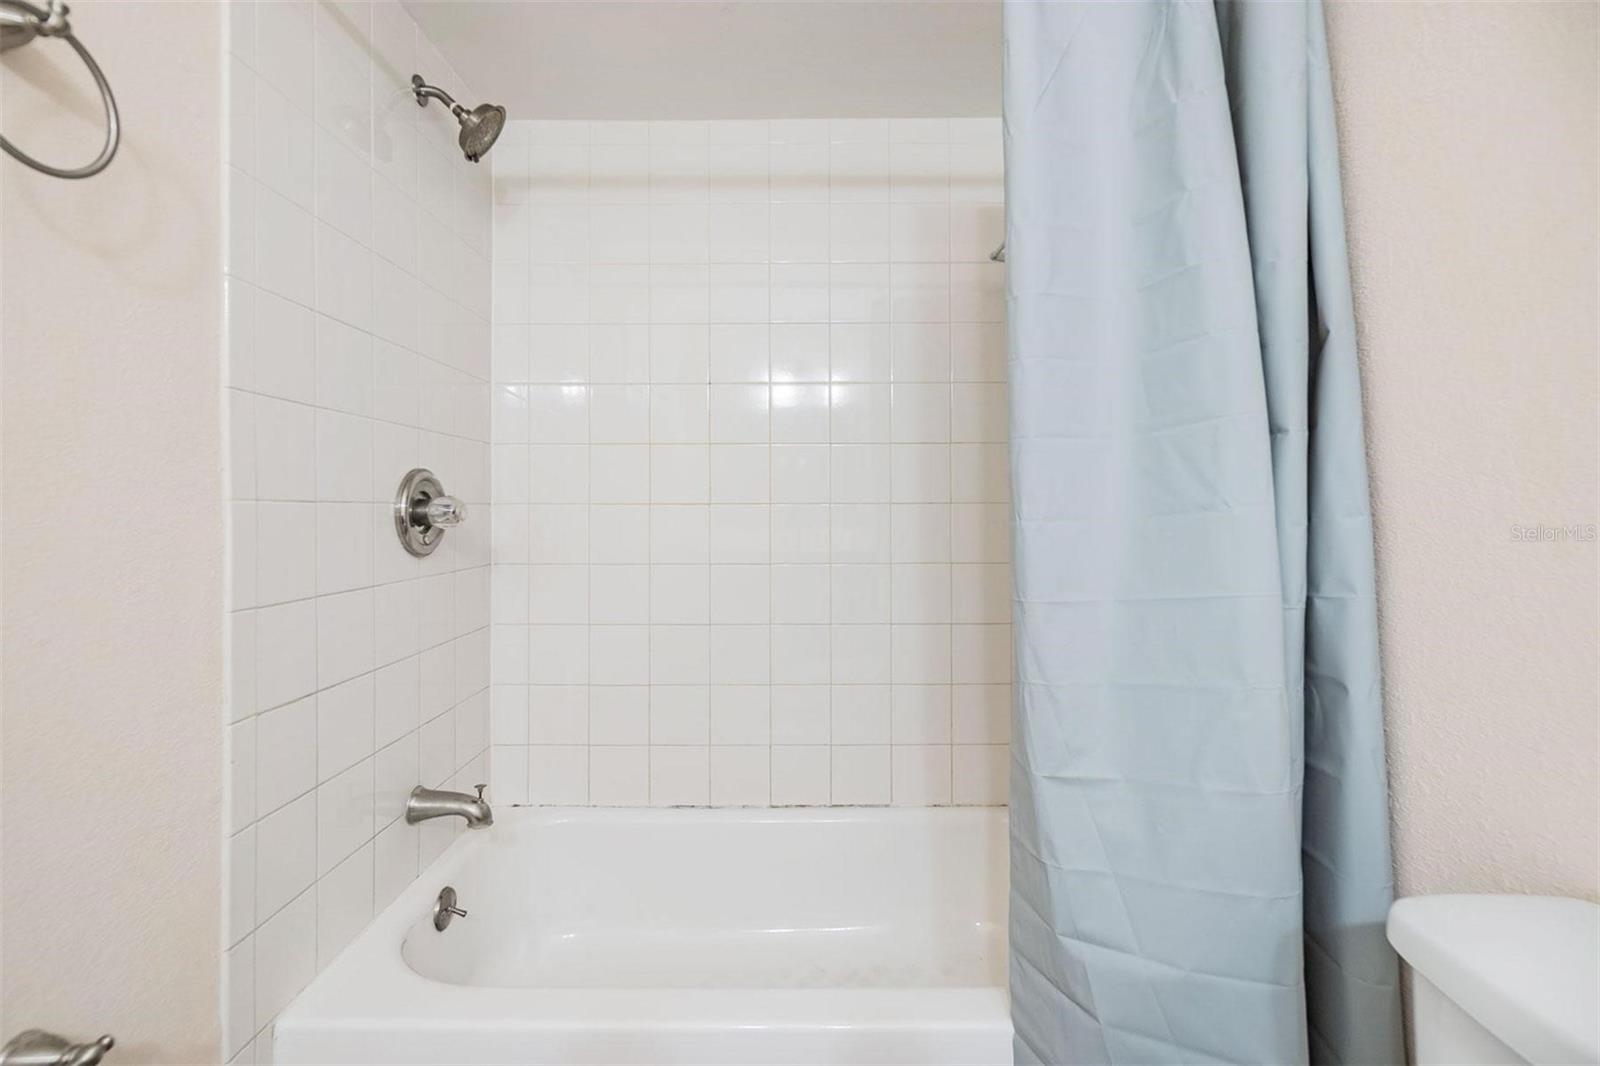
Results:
x,y
661,59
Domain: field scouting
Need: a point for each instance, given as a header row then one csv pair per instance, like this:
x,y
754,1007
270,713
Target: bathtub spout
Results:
x,y
428,803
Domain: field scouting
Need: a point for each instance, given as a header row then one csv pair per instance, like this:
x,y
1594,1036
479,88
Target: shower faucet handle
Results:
x,y
445,511
423,510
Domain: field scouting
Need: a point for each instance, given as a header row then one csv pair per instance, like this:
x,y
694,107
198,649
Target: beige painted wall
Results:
x,y
1469,151
112,541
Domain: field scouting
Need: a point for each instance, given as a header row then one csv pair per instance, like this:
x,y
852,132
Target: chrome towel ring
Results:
x,y
20,23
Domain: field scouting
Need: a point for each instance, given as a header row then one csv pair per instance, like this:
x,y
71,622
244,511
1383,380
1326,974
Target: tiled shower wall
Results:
x,y
749,464
357,295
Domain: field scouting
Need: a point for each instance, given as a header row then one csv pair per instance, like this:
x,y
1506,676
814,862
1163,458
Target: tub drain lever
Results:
x,y
445,910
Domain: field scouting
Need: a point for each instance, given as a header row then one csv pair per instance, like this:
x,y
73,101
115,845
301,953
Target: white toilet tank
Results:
x,y
1501,979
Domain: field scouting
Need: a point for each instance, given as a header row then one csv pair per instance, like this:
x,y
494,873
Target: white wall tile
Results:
x,y
619,714
286,855
240,916
679,776
285,956
800,594
919,233
395,773
619,776
861,593
286,653
618,655
509,768
739,533
679,655
800,473
860,533
394,862
339,355
738,352
860,714
240,1009
680,473
860,654
739,594
286,753
750,428
920,775
922,714
344,730
741,654
981,714
558,714
740,776
344,636
284,242
344,815
858,233
860,774
801,655
285,146
980,773
800,531
981,653
344,904
285,462
800,775
921,654
800,714
861,473
284,543
741,714
617,473
558,774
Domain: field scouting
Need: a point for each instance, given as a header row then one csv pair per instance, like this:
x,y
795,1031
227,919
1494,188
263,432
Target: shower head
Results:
x,y
479,126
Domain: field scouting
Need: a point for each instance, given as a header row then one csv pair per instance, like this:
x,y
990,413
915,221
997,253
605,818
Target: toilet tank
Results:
x,y
1501,979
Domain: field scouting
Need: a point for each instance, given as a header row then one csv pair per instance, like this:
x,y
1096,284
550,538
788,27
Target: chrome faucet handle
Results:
x,y
35,1047
445,511
480,789
422,510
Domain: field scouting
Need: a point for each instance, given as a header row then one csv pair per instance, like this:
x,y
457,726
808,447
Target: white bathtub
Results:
x,y
828,935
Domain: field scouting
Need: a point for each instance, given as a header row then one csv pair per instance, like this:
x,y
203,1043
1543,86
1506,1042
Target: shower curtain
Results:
x,y
1200,853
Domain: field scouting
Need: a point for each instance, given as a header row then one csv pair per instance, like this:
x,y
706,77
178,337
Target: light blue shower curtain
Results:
x,y
1200,851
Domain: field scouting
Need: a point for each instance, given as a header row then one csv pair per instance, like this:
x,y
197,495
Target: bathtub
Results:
x,y
824,935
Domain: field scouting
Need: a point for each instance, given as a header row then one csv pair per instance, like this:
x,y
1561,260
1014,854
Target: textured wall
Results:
x,y
1469,145
112,530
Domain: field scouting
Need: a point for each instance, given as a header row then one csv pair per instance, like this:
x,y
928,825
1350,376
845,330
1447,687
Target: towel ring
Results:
x,y
20,23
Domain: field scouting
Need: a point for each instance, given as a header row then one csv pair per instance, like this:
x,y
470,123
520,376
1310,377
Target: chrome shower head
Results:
x,y
479,129
479,126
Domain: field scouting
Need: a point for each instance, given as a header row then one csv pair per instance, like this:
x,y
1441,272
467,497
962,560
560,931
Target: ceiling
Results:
x,y
666,59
